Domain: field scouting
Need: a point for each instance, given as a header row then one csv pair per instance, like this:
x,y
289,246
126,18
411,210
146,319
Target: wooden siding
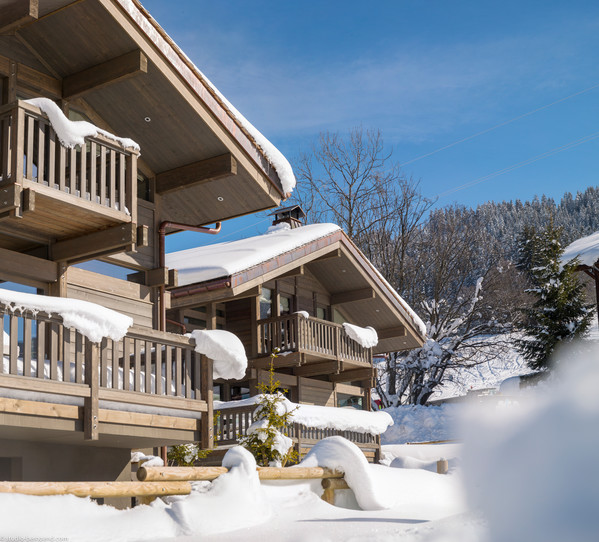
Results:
x,y
128,298
237,318
311,393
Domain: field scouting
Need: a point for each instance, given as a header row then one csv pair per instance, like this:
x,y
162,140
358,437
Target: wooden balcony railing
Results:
x,y
232,423
295,333
146,367
101,172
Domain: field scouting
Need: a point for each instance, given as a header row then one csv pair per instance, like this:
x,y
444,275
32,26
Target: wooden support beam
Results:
x,y
296,272
10,198
143,236
352,295
391,332
289,360
15,265
333,254
91,404
106,73
153,277
33,79
352,375
93,245
207,394
17,13
196,173
315,369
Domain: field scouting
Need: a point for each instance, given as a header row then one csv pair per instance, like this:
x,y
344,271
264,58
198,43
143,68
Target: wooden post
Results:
x,y
254,317
207,422
442,466
17,145
329,485
90,406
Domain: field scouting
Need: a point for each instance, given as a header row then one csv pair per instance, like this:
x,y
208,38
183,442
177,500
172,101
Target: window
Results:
x,y
321,312
266,303
346,400
143,187
240,391
284,304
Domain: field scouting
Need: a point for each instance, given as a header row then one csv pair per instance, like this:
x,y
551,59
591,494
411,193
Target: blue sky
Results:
x,y
428,74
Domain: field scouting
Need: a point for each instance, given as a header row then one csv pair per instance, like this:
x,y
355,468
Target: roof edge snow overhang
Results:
x,y
194,79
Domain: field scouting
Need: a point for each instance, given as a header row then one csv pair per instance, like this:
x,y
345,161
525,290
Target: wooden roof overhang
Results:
x,y
111,60
356,288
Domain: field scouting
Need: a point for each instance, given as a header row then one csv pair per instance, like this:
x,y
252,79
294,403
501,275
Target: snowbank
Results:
x,y
72,133
320,417
340,454
364,336
224,259
91,320
225,349
415,423
531,467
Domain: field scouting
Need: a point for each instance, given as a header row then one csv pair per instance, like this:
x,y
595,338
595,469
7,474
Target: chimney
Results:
x,y
292,215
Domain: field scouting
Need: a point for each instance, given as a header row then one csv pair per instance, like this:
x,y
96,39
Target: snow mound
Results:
x,y
72,133
364,336
531,466
342,455
93,321
225,349
416,423
233,501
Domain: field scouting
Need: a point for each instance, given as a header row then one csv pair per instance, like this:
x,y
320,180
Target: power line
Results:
x,y
518,165
498,126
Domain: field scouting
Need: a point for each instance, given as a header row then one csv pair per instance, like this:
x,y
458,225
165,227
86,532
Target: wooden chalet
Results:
x,y
109,63
291,291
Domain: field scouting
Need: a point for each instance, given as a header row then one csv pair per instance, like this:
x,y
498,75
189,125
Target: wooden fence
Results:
x,y
162,481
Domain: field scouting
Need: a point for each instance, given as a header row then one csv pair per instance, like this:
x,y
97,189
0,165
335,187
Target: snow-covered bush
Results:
x,y
265,438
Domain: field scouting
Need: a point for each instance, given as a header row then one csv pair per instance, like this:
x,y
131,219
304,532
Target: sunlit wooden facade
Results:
x,y
107,62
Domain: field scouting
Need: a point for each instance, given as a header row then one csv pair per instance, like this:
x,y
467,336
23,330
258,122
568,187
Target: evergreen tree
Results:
x,y
559,313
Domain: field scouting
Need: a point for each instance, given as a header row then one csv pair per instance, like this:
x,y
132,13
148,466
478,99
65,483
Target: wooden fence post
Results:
x,y
90,406
207,422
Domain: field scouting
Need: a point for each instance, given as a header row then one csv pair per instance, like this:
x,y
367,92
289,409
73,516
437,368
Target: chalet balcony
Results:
x,y
149,387
314,339
50,192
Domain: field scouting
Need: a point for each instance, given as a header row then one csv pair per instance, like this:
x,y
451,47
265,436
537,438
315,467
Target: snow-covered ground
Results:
x,y
525,469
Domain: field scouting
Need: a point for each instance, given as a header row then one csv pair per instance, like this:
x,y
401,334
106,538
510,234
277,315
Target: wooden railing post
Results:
x,y
17,145
90,407
207,421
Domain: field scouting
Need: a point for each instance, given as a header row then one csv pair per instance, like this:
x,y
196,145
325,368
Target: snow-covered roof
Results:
x,y
223,259
91,320
321,417
586,249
